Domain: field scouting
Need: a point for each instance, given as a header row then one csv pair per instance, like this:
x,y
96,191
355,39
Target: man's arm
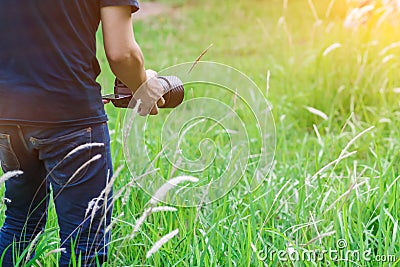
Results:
x,y
126,59
123,53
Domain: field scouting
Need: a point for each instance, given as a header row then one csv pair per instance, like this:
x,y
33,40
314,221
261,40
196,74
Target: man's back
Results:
x,y
48,62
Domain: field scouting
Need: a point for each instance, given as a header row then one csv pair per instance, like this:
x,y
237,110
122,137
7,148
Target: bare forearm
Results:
x,y
128,67
122,51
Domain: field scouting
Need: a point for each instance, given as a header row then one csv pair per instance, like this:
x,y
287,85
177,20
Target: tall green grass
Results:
x,y
317,193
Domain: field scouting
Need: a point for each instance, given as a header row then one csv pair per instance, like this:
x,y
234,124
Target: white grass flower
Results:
x,y
387,58
93,205
331,48
253,247
146,213
32,247
84,146
163,208
317,112
160,194
318,135
63,250
389,47
139,223
97,157
161,242
9,175
114,221
385,120
357,16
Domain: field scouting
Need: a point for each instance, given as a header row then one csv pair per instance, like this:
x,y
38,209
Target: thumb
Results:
x,y
161,102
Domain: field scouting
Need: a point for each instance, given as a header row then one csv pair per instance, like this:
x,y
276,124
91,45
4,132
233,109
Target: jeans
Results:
x,y
43,154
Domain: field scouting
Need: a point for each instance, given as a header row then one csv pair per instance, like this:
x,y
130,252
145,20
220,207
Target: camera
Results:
x,y
173,94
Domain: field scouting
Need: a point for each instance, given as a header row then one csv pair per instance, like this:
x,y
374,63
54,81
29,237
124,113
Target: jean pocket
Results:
x,y
9,161
64,167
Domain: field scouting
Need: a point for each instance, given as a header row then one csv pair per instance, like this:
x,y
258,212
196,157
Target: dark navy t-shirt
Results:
x,y
48,64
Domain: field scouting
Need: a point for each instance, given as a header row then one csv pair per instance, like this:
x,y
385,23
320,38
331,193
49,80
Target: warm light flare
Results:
x,y
379,11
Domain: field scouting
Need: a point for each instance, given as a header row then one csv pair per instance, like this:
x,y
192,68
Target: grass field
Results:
x,y
335,178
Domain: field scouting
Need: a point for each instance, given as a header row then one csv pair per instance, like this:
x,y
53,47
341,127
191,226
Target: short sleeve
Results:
x,y
133,3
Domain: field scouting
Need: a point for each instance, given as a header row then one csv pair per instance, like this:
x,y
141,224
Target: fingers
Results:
x,y
154,110
151,73
150,95
161,102
105,101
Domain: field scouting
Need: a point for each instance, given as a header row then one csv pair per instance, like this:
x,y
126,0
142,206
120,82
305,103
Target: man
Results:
x,y
50,104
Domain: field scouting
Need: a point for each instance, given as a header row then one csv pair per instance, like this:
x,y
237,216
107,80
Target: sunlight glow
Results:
x,y
362,12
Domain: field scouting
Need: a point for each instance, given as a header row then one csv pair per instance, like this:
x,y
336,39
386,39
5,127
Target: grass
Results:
x,y
306,203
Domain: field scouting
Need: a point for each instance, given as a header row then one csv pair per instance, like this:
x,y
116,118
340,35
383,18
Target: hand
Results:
x,y
105,101
150,95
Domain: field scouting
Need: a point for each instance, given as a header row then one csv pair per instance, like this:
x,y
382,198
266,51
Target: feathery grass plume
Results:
x,y
9,175
318,135
127,193
331,48
358,16
104,196
163,208
161,242
317,112
199,58
387,58
146,213
113,221
253,247
345,194
38,263
94,203
160,194
6,200
334,162
81,147
84,165
63,250
32,247
354,139
389,47
133,182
